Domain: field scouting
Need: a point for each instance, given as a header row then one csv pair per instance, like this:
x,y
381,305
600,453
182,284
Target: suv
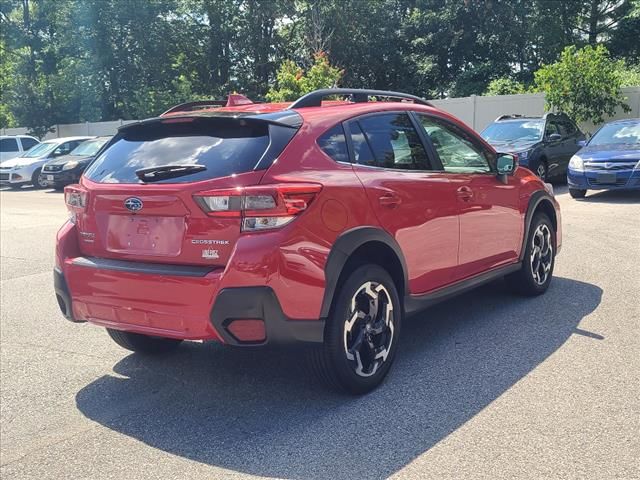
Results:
x,y
11,146
317,223
542,144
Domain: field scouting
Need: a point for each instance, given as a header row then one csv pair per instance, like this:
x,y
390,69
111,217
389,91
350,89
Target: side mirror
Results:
x,y
581,143
554,137
505,165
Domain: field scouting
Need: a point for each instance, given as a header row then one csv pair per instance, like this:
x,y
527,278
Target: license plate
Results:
x,y
50,178
606,178
148,235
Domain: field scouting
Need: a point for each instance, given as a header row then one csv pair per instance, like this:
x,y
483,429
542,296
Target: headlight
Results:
x,y
576,164
70,165
523,155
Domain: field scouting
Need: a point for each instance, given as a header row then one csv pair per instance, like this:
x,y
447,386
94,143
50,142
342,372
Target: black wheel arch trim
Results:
x,y
347,243
534,201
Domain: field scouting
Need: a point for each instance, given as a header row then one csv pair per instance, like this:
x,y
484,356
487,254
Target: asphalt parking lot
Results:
x,y
488,385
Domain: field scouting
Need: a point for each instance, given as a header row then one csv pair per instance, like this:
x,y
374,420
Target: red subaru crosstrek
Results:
x,y
319,223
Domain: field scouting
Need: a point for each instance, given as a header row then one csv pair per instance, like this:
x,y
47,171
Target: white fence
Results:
x,y
476,111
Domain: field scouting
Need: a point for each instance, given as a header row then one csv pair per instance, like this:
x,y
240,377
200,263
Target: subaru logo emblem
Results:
x,y
133,204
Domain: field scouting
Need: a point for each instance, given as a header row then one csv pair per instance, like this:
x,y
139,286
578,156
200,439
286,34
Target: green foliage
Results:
x,y
68,61
629,76
505,86
293,82
585,83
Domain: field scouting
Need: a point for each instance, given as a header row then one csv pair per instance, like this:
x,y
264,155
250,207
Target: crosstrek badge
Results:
x,y
210,254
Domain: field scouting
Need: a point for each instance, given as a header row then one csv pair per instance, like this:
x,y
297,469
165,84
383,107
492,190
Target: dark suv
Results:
x,y
318,223
542,144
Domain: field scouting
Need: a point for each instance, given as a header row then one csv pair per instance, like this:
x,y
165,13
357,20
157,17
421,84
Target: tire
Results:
x,y
143,343
577,193
358,351
541,170
539,259
38,180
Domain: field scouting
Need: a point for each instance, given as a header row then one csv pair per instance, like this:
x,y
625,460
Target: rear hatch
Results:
x,y
146,196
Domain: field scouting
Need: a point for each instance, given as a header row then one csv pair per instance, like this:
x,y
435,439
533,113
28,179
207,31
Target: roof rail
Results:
x,y
233,100
314,99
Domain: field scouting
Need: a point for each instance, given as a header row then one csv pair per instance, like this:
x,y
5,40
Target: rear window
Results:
x,y
223,146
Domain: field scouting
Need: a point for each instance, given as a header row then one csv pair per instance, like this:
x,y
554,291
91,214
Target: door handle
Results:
x,y
465,193
389,200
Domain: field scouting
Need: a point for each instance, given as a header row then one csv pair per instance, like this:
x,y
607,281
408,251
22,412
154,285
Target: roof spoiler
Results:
x,y
314,99
233,100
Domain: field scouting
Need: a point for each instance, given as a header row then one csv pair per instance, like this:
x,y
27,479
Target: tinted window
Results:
x,y
334,144
567,128
513,130
8,145
394,142
223,146
361,150
27,143
551,128
457,152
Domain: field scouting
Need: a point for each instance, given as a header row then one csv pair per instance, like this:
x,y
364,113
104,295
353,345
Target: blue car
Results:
x,y
610,160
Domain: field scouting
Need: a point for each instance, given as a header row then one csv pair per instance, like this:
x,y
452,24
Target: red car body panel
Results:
x,y
444,234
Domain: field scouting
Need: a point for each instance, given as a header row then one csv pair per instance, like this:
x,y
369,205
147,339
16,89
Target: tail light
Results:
x,y
260,207
75,197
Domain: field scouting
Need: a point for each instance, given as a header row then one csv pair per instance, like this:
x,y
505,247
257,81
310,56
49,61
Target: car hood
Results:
x,y
602,153
512,145
69,158
21,162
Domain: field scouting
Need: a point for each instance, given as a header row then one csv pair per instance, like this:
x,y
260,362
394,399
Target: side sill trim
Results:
x,y
141,267
415,303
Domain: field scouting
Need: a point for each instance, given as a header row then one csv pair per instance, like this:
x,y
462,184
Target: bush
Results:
x,y
293,82
584,83
505,86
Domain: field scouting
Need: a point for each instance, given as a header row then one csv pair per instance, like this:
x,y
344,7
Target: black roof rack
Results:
x,y
314,99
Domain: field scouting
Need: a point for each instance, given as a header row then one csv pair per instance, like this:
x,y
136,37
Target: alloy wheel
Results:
x,y
369,332
541,254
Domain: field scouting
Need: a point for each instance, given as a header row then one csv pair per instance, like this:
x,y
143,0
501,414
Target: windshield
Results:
x,y
40,150
90,147
514,130
617,133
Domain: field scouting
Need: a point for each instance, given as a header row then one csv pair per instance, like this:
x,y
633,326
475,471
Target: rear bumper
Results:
x,y
590,180
184,302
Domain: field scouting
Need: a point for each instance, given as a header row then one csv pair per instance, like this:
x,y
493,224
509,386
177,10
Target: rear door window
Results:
x,y
223,146
394,142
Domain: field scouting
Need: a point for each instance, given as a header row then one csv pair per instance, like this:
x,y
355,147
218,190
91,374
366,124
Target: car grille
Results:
x,y
620,182
52,168
610,165
5,176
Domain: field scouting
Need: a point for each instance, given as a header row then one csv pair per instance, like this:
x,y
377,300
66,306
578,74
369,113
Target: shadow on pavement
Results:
x,y
612,196
260,413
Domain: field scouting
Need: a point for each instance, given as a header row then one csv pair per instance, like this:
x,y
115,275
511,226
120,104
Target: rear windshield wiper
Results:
x,y
162,172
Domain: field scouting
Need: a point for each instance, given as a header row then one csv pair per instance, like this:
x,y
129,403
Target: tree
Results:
x,y
505,86
293,82
584,83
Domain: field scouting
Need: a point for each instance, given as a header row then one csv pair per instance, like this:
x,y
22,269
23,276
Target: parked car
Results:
x,y
542,144
12,146
67,169
27,169
609,160
314,223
